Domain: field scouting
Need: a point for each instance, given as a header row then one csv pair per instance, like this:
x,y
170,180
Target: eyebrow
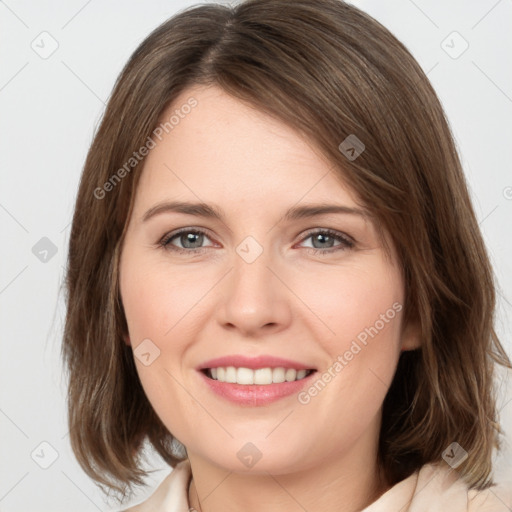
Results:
x,y
214,212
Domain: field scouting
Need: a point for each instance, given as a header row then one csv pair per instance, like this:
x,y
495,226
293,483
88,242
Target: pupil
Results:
x,y
189,238
320,237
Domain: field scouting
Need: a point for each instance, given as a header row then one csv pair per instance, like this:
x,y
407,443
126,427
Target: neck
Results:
x,y
347,479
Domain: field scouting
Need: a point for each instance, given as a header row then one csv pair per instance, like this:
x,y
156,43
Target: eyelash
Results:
x,y
345,244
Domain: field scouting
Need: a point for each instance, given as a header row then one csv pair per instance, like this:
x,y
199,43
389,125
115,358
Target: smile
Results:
x,y
260,376
262,391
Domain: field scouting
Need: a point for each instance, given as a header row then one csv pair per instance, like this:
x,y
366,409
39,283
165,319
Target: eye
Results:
x,y
323,240
191,240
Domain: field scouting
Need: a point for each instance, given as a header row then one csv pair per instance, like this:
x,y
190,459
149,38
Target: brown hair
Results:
x,y
329,71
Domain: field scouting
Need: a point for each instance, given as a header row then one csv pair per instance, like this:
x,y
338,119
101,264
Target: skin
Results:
x,y
289,302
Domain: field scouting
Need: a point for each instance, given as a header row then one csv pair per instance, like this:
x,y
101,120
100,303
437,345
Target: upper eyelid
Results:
x,y
166,239
341,234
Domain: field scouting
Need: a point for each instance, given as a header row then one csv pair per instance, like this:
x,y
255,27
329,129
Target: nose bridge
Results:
x,y
251,280
253,297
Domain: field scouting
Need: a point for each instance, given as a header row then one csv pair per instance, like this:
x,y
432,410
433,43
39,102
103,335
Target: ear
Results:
x,y
127,340
411,338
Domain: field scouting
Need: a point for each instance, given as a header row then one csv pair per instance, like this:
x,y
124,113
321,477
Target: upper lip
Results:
x,y
254,363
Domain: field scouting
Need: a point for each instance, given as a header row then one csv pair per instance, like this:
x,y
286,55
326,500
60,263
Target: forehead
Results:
x,y
228,152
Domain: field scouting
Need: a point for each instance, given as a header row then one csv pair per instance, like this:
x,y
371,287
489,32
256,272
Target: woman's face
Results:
x,y
264,280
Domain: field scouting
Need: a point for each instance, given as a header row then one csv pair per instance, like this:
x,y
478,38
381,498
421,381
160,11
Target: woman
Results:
x,y
276,276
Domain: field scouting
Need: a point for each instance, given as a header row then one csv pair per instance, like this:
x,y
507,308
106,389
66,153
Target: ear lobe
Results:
x,y
127,340
411,338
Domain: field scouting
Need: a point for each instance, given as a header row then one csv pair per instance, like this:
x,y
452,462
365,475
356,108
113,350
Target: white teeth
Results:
x,y
278,375
244,376
248,376
290,375
230,374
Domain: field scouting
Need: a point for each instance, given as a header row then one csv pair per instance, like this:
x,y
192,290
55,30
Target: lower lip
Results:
x,y
253,394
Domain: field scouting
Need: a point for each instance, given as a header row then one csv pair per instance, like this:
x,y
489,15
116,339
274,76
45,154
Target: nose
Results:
x,y
254,299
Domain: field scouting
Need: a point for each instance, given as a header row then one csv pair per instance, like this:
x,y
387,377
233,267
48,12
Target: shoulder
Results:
x,y
495,498
440,487
436,487
171,493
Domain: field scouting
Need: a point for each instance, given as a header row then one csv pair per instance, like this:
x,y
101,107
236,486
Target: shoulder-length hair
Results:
x,y
329,71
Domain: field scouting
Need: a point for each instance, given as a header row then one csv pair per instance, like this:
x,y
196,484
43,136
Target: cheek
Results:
x,y
354,303
156,300
162,310
154,303
361,313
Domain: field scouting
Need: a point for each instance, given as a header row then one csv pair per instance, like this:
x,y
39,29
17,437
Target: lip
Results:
x,y
255,395
254,363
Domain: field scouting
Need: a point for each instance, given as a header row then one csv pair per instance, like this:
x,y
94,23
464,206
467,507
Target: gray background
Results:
x,y
50,108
